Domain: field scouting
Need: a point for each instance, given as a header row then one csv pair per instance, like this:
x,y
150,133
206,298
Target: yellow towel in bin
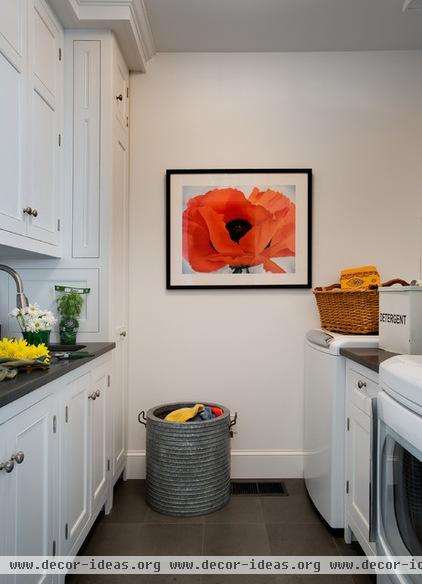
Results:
x,y
184,414
359,278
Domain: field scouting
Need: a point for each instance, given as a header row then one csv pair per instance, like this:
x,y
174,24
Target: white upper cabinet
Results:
x,y
86,148
31,98
13,49
45,110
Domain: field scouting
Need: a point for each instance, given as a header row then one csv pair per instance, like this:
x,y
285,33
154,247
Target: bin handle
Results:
x,y
395,281
231,424
142,419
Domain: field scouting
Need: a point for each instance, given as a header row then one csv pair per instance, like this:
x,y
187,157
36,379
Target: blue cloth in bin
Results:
x,y
206,414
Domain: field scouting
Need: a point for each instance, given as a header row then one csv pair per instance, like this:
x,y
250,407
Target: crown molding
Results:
x,y
145,31
128,19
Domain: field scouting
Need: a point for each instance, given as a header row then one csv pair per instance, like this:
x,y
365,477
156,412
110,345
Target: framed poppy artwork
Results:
x,y
239,228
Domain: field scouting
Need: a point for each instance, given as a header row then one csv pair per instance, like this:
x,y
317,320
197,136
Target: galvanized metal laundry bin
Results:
x,y
187,464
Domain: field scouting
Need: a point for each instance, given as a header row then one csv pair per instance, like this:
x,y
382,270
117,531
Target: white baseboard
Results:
x,y
246,464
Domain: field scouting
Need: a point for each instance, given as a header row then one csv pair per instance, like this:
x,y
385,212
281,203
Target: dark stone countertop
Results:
x,y
25,382
368,357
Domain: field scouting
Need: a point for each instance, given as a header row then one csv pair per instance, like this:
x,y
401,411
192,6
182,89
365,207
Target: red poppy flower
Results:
x,y
224,228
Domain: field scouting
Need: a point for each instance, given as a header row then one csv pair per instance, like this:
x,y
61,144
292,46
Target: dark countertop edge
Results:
x,y
25,383
369,357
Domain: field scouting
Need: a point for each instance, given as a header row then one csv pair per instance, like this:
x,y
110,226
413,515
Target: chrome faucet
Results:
x,y
21,299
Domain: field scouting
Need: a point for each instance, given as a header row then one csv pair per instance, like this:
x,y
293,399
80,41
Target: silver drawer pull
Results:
x,y
361,384
7,466
97,393
18,457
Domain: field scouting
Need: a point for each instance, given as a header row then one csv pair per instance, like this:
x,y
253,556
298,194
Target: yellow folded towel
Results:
x,y
359,278
184,414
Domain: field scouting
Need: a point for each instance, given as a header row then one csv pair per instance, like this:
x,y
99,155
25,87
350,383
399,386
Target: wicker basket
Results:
x,y
353,312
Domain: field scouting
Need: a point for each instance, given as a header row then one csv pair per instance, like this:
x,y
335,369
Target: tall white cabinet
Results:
x,y
119,256
99,79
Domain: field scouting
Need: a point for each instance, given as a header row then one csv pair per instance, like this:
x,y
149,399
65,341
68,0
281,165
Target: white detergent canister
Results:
x,y
400,319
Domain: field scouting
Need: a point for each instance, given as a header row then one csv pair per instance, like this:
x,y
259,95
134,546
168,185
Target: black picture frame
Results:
x,y
302,176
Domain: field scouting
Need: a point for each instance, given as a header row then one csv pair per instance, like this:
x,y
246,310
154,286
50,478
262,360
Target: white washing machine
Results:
x,y
399,490
325,380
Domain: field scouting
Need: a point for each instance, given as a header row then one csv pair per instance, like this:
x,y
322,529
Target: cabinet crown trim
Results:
x,y
128,19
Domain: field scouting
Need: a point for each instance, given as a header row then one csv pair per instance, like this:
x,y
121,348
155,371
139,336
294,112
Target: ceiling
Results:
x,y
282,25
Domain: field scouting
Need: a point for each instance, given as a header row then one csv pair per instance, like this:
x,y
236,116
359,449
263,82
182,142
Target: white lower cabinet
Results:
x,y
361,394
84,454
55,466
74,461
29,485
98,418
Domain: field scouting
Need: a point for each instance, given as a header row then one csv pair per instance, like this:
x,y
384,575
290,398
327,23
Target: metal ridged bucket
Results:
x,y
187,464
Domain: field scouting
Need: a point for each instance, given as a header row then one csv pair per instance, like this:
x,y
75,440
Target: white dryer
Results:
x,y
325,380
399,488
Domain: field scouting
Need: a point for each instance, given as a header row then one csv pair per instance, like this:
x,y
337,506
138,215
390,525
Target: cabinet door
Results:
x,y
75,461
119,294
13,65
98,397
45,112
30,490
86,149
6,483
358,476
121,90
117,396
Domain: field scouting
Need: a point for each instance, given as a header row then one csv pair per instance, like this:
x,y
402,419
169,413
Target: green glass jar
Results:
x,y
37,337
68,328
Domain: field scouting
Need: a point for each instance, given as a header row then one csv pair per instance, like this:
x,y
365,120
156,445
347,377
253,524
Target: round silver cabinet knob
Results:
x,y
361,384
7,466
34,212
92,396
123,333
18,457
27,211
119,97
98,393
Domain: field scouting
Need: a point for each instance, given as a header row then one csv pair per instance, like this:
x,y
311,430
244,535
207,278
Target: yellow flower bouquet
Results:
x,y
17,353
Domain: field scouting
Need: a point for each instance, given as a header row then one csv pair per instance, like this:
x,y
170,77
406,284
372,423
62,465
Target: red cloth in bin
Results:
x,y
216,411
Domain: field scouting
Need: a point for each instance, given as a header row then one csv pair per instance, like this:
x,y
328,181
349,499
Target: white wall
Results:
x,y
354,118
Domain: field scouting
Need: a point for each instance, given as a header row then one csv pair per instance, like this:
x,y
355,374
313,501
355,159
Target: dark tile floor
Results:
x,y
249,525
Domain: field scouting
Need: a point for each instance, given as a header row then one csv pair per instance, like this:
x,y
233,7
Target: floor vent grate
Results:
x,y
259,488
